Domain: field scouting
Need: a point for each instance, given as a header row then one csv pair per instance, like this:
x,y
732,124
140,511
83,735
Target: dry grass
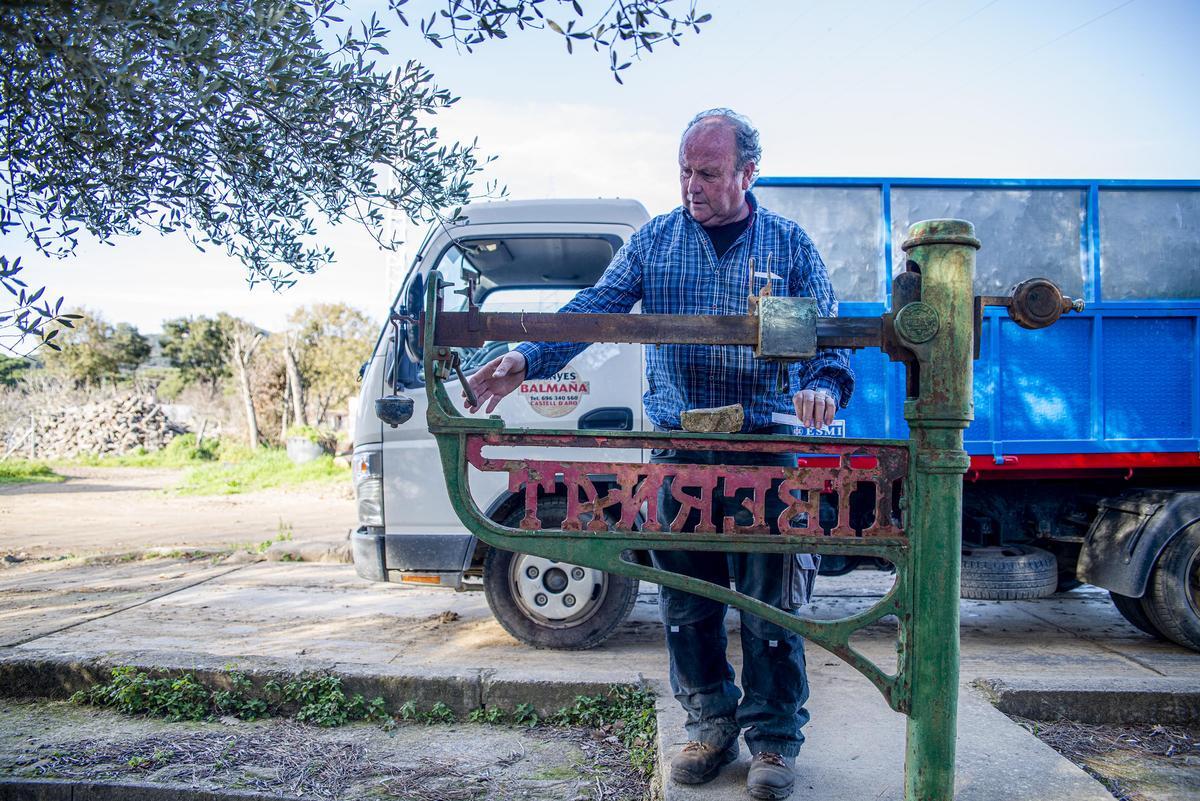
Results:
x,y
297,761
1086,744
284,758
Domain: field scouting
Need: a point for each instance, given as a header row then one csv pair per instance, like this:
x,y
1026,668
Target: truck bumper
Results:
x,y
379,556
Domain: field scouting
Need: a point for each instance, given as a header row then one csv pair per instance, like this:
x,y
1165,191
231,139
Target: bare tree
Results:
x,y
295,387
244,340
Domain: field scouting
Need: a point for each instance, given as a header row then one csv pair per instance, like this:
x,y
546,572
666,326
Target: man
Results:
x,y
706,257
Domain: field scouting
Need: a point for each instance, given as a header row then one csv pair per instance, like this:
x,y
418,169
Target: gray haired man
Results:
x,y
700,259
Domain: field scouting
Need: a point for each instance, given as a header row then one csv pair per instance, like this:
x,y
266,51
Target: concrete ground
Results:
x,y
322,616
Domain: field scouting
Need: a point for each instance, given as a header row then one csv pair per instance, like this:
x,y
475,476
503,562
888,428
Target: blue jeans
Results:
x,y
773,669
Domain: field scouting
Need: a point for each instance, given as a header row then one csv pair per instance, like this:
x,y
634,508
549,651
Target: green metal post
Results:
x,y
939,330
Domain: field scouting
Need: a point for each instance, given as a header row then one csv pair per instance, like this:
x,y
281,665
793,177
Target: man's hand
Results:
x,y
496,379
814,407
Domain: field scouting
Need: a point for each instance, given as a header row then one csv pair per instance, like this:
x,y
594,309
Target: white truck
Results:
x,y
530,256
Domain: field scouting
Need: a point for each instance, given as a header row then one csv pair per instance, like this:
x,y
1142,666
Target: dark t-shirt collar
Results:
x,y
723,236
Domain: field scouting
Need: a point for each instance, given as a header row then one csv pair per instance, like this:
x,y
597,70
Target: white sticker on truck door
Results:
x,y
556,396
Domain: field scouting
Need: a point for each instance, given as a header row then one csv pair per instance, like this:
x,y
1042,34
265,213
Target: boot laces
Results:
x,y
772,758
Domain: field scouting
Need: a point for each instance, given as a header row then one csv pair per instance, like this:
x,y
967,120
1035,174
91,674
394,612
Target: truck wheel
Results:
x,y
1132,609
1008,573
837,564
550,604
1172,599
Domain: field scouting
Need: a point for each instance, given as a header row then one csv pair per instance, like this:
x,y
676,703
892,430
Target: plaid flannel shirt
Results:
x,y
671,267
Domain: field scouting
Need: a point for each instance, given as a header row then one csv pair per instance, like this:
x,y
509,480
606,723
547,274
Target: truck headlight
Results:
x,y
367,469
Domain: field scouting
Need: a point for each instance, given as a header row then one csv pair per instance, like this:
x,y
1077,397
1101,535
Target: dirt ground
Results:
x,y
1136,763
415,762
114,509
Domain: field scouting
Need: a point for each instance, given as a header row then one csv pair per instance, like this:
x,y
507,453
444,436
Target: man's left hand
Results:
x,y
814,407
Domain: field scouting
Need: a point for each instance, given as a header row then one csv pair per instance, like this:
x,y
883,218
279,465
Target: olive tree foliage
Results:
x,y
240,123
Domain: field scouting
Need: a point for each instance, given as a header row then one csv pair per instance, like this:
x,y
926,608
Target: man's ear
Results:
x,y
748,175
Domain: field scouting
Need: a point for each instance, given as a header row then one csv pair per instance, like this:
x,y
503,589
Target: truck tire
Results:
x,y
1172,600
550,604
1133,610
1008,573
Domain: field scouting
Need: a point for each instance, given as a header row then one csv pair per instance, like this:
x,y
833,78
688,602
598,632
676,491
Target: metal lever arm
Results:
x,y
473,329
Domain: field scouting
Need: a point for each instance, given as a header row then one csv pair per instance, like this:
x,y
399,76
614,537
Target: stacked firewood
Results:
x,y
117,426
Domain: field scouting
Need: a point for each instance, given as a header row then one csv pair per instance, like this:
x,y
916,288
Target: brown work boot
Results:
x,y
771,776
698,763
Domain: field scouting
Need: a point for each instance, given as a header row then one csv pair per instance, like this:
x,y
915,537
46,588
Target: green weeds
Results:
x,y
136,693
223,467
318,700
625,712
23,471
179,452
628,712
438,713
265,468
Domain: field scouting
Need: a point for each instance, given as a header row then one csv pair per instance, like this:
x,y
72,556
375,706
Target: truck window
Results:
x,y
526,300
450,265
513,300
1150,244
845,223
1024,231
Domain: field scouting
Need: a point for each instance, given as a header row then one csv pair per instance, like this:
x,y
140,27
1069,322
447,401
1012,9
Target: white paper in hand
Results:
x,y
835,429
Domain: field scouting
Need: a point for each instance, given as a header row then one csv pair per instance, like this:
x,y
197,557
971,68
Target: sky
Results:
x,y
940,88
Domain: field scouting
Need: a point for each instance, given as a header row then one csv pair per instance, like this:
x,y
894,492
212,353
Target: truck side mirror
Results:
x,y
394,409
414,306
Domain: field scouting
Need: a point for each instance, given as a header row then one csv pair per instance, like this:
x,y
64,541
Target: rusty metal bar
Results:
x,y
473,329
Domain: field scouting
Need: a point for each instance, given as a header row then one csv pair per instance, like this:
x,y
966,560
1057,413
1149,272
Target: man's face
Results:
x,y
713,189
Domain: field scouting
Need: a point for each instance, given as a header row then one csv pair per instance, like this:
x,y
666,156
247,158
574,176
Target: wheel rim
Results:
x,y
556,594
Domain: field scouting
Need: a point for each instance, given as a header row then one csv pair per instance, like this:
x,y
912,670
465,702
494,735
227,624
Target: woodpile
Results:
x,y
110,427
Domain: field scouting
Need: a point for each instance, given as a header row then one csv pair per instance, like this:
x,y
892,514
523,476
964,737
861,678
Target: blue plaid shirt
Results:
x,y
671,267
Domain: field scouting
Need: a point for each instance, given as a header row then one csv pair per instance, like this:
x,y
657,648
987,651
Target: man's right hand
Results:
x,y
496,379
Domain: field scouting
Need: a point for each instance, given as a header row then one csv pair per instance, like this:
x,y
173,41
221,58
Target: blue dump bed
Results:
x,y
1117,386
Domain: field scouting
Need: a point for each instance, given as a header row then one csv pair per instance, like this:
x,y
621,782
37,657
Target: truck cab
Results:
x,y
528,256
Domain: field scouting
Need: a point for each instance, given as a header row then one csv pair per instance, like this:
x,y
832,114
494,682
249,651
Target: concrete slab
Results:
x,y
36,602
855,751
326,613
323,617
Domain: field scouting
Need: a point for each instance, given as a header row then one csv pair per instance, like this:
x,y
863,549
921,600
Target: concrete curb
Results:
x,y
20,789
1117,701
45,675
325,551
333,551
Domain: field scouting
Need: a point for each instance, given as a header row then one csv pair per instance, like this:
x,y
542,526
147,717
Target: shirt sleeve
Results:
x,y
618,289
829,370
